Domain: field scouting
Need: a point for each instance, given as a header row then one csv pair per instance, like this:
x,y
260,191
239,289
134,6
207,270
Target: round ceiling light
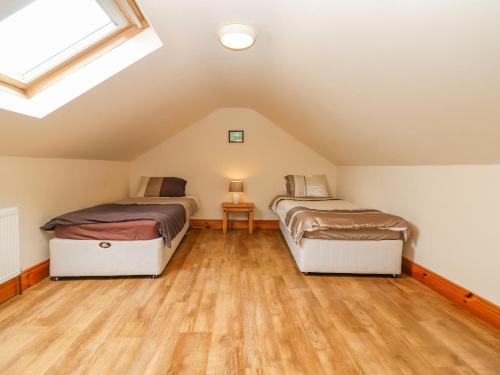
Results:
x,y
237,36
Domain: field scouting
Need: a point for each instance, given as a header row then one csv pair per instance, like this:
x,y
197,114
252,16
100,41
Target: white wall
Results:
x,y
455,209
202,155
44,188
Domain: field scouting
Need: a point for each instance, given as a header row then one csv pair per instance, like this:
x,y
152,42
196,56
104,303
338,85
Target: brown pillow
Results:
x,y
165,187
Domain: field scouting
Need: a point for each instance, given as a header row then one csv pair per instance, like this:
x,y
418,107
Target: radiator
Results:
x,y
10,258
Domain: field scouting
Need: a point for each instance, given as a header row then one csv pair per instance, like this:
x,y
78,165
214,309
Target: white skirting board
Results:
x,y
72,258
335,256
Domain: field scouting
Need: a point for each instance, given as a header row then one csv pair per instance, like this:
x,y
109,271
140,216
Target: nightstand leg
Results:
x,y
224,222
250,222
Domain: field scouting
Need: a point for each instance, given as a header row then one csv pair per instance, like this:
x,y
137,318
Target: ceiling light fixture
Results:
x,y
237,36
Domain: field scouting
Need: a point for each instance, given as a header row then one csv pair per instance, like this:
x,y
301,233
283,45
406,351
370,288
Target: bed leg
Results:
x,y
54,278
396,275
155,276
306,273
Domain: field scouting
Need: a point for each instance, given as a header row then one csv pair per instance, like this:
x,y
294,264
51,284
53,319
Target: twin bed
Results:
x,y
328,235
138,236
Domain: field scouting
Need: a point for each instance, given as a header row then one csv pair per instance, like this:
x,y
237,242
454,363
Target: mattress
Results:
x,y
70,258
358,257
136,230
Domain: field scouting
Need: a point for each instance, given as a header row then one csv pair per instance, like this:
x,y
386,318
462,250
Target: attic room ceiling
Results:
x,y
361,82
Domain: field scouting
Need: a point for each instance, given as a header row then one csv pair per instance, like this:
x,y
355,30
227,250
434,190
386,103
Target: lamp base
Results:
x,y
236,199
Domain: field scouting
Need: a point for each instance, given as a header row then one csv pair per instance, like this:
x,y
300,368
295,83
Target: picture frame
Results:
x,y
236,136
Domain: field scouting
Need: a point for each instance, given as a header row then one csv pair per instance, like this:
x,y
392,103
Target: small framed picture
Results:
x,y
236,136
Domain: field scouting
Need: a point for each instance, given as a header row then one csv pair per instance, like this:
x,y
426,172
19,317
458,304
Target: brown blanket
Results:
x,y
303,219
170,218
353,235
136,230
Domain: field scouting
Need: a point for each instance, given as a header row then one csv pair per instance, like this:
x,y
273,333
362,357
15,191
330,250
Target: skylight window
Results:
x,y
61,29
53,50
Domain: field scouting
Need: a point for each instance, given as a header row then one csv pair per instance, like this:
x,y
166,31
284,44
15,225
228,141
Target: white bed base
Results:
x,y
72,258
335,256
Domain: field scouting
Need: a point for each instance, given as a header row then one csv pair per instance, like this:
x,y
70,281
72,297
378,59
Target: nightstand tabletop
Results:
x,y
242,205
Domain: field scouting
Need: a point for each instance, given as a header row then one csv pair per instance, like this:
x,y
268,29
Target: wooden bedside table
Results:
x,y
240,207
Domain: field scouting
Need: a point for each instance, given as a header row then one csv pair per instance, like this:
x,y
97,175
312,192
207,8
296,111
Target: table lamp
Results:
x,y
236,186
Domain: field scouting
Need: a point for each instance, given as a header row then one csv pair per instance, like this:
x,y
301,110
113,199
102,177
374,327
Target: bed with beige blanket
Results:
x,y
335,236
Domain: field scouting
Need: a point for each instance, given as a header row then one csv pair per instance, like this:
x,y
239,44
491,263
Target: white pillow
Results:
x,y
141,190
316,186
307,186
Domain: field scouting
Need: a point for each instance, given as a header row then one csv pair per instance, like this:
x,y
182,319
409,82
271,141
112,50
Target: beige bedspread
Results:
x,y
327,218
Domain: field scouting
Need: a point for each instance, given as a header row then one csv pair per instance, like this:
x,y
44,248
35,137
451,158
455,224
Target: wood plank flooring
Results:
x,y
237,304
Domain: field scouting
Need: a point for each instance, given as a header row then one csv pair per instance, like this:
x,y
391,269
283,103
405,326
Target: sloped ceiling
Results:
x,y
361,82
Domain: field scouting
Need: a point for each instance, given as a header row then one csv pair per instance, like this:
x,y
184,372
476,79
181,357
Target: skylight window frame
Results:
x,y
135,23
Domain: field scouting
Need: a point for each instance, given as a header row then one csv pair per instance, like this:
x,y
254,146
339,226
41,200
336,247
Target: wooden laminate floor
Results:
x,y
237,304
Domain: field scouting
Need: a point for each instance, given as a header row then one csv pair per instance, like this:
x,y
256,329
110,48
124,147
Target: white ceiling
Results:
x,y
361,82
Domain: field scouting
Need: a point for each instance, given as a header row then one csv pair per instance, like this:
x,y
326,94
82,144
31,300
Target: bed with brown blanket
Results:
x,y
332,235
124,221
136,236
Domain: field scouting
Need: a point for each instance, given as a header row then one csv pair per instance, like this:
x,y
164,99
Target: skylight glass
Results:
x,y
46,33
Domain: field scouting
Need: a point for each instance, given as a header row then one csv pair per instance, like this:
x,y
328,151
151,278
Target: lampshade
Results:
x,y
236,186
